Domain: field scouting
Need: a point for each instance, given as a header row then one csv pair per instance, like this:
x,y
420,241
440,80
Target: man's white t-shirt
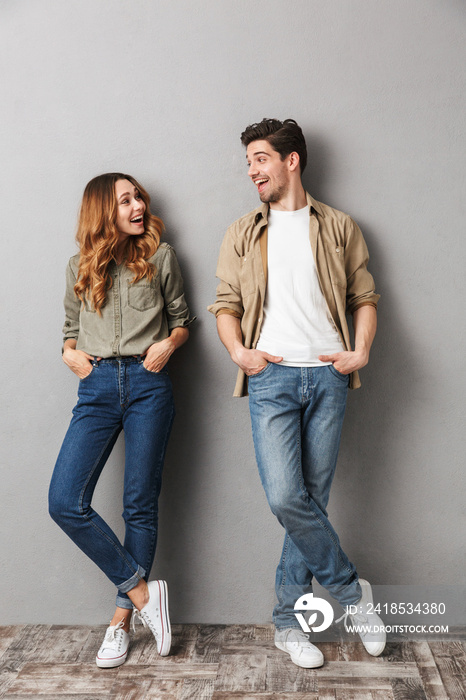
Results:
x,y
297,324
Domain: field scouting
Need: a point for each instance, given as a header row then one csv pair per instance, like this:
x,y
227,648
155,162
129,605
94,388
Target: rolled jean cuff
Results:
x,y
346,595
133,581
124,603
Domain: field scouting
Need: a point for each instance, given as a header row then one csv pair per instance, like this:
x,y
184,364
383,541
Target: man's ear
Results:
x,y
293,161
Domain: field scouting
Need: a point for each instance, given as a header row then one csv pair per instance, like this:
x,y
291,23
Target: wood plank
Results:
x,y
139,641
381,685
251,646
208,644
92,644
428,671
330,650
370,669
353,651
8,634
7,677
197,689
247,695
245,672
47,696
382,695
398,651
408,689
283,676
65,679
143,648
63,644
25,645
168,670
184,639
239,633
451,674
22,648
264,633
353,695
453,648
136,690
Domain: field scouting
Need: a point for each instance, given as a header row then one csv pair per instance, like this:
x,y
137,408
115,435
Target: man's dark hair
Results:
x,y
284,137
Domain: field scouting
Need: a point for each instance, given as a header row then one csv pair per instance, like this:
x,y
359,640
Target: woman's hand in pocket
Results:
x,y
78,361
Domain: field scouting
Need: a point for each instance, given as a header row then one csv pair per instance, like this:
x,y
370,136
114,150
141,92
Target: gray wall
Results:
x,y
162,89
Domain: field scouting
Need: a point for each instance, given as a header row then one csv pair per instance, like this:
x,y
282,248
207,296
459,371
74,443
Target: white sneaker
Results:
x,y
155,616
298,646
114,649
368,622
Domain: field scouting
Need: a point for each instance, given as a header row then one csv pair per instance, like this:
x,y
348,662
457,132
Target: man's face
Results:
x,y
268,171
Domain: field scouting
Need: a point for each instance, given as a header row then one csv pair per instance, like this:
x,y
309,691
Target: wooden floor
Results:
x,y
221,663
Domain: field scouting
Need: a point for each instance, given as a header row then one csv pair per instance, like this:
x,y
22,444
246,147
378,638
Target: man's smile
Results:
x,y
260,183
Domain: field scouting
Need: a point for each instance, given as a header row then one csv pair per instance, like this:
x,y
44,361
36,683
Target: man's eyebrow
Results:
x,y
259,153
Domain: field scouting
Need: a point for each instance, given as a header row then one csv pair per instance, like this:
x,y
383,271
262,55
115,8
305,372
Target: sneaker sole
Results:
x,y
372,648
166,629
315,664
111,663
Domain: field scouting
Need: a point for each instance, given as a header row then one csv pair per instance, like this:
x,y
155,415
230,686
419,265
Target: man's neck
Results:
x,y
293,200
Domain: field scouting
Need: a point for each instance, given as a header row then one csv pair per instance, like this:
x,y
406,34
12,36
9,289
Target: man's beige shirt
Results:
x,y
341,257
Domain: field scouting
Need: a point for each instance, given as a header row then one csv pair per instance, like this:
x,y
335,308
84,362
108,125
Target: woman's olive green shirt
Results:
x,y
134,315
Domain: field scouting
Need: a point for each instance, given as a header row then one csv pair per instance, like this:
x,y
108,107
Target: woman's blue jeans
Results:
x,y
118,394
297,416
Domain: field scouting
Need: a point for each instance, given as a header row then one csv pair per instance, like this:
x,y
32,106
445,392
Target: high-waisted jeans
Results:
x,y
118,394
297,416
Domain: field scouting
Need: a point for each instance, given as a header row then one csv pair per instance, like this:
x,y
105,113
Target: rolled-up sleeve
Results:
x,y
72,307
172,288
229,299
360,289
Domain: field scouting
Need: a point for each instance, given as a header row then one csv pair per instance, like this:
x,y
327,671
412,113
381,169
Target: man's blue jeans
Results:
x,y
297,416
118,394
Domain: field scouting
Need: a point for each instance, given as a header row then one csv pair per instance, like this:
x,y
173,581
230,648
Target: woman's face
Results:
x,y
130,209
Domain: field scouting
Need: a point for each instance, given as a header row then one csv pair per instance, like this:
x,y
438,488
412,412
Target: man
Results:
x,y
289,272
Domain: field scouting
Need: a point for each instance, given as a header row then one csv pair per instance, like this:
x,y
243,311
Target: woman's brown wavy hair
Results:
x,y
98,237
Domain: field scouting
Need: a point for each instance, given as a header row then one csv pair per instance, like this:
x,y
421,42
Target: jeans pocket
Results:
x,y
263,371
164,370
340,375
88,375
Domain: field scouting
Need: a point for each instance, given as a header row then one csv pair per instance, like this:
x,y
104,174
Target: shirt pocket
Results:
x,y
247,275
141,295
336,264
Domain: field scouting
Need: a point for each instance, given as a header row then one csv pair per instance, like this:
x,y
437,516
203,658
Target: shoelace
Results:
x,y
113,633
356,619
302,641
144,619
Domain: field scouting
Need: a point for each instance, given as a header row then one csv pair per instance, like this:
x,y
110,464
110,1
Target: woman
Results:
x,y
125,316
